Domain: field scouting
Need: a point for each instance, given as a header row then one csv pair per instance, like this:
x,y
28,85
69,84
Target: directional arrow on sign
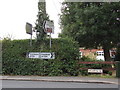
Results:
x,y
47,55
53,55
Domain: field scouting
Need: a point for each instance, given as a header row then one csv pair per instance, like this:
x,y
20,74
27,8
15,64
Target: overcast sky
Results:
x,y
15,13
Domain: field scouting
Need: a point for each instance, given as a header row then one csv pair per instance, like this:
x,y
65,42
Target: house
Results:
x,y
96,53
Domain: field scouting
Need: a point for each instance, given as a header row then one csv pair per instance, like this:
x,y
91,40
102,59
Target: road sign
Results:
x,y
29,28
49,27
34,55
47,55
41,55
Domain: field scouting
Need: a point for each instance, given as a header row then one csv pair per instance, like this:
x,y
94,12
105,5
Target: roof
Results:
x,y
90,50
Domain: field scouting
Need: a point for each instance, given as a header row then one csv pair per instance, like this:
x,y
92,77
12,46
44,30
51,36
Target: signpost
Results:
x,y
49,28
41,55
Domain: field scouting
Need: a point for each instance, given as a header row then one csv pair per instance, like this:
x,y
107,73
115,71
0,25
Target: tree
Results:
x,y
42,17
92,24
117,57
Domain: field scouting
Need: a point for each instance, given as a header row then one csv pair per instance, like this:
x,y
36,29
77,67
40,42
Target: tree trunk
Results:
x,y
106,53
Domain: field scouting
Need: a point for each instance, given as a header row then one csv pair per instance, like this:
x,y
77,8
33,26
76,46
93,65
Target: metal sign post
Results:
x,y
31,40
49,28
50,42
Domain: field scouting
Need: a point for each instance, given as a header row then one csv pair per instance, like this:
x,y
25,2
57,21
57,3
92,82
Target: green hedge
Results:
x,y
14,61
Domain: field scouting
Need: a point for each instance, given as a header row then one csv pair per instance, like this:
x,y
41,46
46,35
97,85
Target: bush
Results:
x,y
117,56
15,61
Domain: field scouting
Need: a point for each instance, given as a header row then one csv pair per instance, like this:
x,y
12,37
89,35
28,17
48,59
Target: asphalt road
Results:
x,y
40,84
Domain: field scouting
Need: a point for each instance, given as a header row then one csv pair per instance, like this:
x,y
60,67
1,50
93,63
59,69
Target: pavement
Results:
x,y
78,79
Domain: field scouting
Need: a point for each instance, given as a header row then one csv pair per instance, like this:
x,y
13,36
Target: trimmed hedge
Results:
x,y
14,61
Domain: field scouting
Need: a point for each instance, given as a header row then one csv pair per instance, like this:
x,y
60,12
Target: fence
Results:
x,y
91,70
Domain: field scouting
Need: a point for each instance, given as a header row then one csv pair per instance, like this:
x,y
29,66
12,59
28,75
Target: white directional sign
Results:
x,y
95,71
47,55
42,55
34,55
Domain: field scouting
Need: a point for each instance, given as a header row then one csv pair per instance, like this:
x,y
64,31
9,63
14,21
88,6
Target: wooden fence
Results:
x,y
112,68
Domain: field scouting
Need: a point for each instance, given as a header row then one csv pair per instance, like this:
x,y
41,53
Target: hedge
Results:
x,y
14,61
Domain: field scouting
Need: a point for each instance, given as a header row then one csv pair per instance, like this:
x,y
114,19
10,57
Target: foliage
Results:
x,y
117,56
92,24
14,61
42,17
64,45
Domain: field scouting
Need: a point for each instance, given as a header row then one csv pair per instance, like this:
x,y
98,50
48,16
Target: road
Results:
x,y
42,84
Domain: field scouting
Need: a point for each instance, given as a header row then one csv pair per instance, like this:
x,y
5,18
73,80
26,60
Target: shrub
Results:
x,y
117,57
15,61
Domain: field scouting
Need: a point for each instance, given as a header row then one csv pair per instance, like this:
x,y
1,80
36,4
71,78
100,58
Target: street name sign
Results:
x,y
95,71
41,55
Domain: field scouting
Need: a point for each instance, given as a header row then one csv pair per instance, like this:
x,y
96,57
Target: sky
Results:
x,y
15,13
